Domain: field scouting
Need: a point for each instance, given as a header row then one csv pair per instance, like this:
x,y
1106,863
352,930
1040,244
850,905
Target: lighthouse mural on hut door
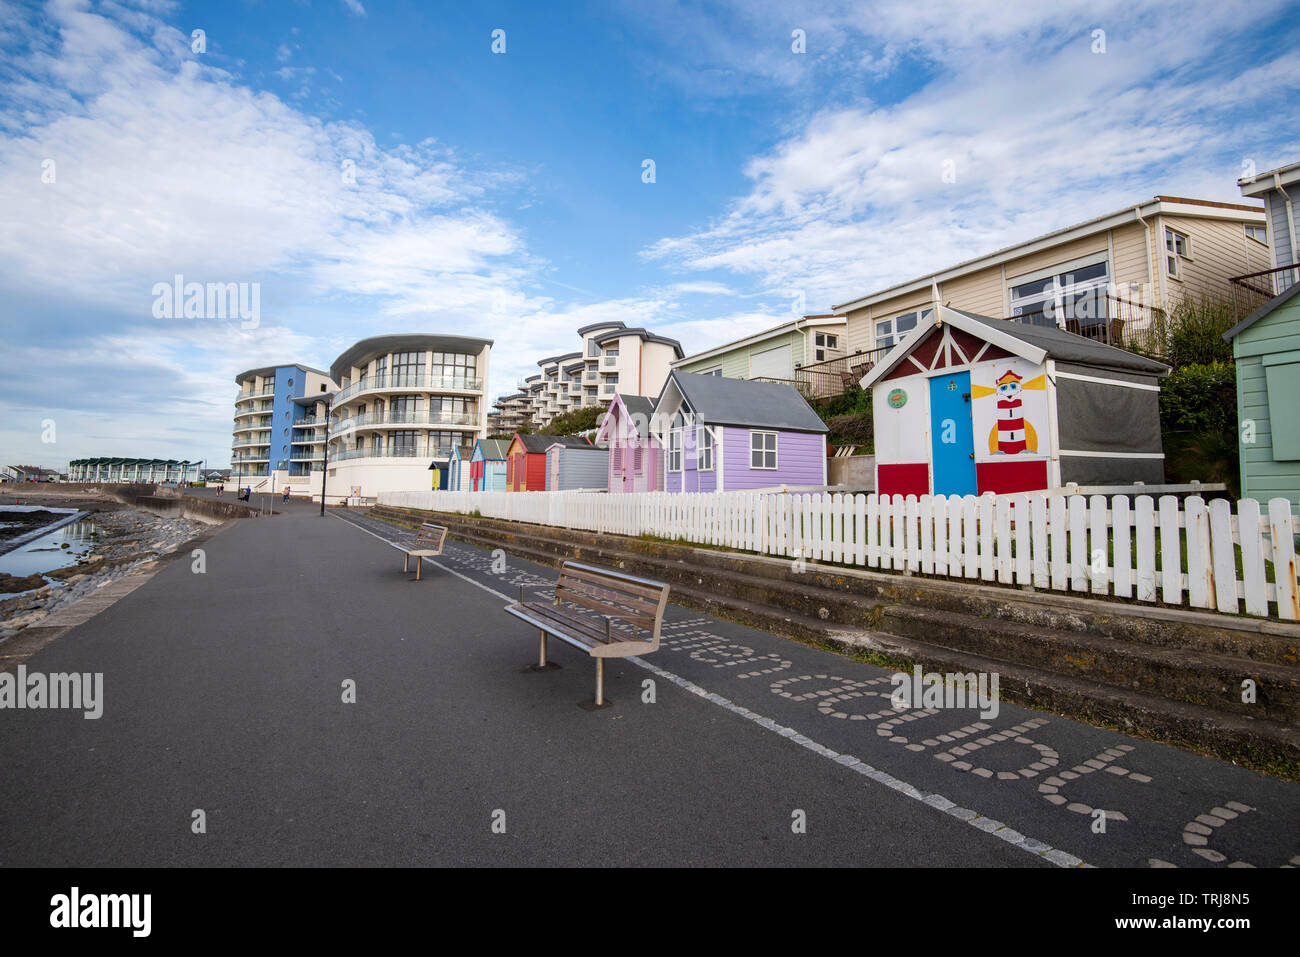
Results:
x,y
1009,397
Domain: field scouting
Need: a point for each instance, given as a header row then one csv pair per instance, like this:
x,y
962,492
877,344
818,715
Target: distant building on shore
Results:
x,y
112,469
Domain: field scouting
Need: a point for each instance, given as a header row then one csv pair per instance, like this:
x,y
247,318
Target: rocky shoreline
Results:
x,y
127,540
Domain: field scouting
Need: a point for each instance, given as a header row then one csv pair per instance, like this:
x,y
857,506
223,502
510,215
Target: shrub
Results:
x,y
571,423
852,430
1195,332
1198,424
1200,398
855,401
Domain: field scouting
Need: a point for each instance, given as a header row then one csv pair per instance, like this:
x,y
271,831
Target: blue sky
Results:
x,y
501,194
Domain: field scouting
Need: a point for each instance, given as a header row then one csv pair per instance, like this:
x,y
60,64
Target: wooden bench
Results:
x,y
428,543
608,597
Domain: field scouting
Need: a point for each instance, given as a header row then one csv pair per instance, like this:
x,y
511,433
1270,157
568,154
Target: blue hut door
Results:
x,y
952,434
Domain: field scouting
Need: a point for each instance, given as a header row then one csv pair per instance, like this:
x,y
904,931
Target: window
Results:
x,y
891,331
404,442
451,365
593,350
704,442
717,372
441,443
407,368
1067,296
762,450
675,450
1257,233
829,341
1177,248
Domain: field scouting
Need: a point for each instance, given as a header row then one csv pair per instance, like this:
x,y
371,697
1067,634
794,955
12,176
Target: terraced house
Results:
x,y
1110,279
807,352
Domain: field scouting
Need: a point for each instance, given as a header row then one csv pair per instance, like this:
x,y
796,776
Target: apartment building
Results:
x,y
404,402
511,413
271,447
613,359
1103,279
620,359
807,352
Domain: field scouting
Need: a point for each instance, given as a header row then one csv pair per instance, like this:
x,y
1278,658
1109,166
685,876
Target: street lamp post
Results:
x,y
325,465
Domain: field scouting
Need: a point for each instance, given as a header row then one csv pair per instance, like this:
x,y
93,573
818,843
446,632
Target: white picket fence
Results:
x,y
1190,553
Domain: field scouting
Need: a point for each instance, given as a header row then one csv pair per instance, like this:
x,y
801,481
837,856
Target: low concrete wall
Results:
x,y
169,504
215,510
858,471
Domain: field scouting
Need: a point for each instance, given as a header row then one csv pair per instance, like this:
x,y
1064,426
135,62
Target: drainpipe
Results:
x,y
1137,211
1290,219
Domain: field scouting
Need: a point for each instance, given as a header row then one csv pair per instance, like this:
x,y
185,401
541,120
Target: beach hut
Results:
x,y
968,404
633,453
458,468
487,465
1266,349
526,459
571,467
726,435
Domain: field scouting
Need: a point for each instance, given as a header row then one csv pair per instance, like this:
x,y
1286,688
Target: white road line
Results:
x,y
931,799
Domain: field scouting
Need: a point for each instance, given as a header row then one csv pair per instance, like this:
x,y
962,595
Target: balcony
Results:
x,y
414,380
402,452
1111,320
246,396
1252,290
262,409
466,420
833,376
306,455
242,443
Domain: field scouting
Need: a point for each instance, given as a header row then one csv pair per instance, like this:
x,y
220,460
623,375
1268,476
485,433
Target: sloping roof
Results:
x,y
745,402
819,321
640,408
600,325
270,370
564,358
1059,344
641,334
494,448
366,349
1033,343
533,442
1261,312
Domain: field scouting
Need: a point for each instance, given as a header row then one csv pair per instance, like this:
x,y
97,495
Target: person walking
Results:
x,y
285,501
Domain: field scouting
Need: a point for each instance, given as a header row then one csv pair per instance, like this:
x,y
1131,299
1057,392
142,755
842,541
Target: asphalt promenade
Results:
x,y
224,693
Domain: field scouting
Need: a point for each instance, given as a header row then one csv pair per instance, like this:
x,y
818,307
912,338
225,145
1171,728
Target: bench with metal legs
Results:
x,y
588,603
428,544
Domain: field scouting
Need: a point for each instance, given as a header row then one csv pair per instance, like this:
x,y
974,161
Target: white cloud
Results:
x,y
355,7
1040,132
